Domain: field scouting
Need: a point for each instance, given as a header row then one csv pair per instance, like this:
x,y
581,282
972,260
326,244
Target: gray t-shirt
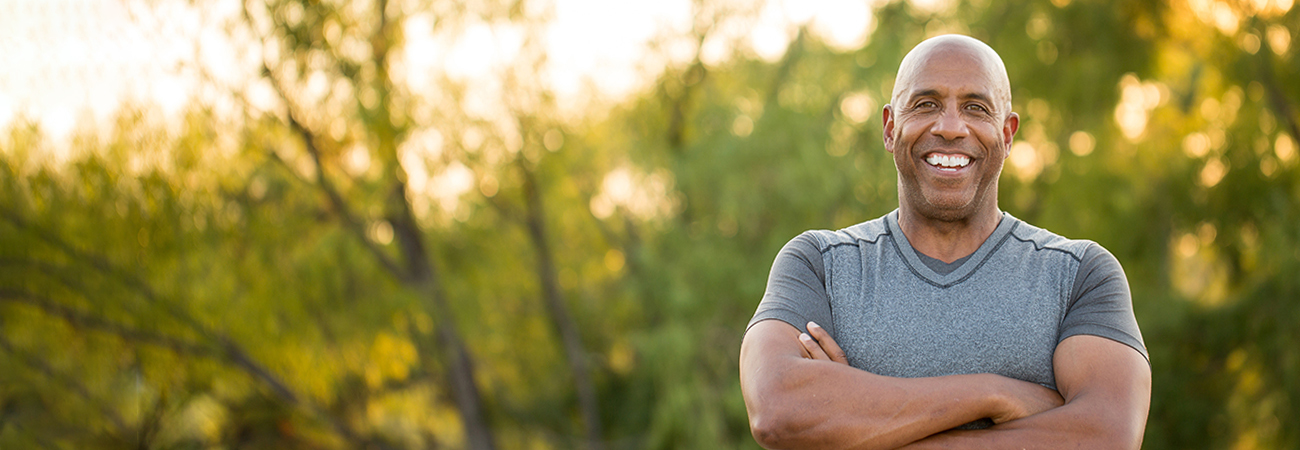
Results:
x,y
1002,309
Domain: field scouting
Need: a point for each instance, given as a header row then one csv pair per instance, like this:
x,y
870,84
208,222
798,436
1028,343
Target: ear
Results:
x,y
887,118
1009,128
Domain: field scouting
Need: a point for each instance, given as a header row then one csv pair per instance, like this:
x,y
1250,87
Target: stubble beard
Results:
x,y
948,207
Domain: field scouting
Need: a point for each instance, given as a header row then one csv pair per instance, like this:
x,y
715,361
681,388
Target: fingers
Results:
x,y
813,349
818,344
828,344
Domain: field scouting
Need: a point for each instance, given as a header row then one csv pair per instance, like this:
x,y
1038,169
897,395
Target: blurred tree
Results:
x,y
377,111
347,49
367,264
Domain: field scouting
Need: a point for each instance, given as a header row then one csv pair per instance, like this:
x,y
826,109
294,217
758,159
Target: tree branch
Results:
x,y
567,328
350,219
233,352
103,266
81,319
48,371
420,273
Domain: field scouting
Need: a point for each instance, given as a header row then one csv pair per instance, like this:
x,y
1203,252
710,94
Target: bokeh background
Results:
x,y
530,224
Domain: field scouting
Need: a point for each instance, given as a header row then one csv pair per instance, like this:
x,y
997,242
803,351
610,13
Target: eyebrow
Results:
x,y
966,96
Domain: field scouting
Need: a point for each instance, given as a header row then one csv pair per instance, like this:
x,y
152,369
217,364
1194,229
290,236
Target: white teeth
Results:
x,y
936,159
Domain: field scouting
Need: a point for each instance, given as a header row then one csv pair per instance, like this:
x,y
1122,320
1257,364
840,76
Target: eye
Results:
x,y
926,104
977,108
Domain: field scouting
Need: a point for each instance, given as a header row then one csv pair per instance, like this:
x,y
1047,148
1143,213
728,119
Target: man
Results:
x,y
946,323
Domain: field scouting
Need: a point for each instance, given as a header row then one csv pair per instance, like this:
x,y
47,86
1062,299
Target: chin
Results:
x,y
944,205
947,215
948,211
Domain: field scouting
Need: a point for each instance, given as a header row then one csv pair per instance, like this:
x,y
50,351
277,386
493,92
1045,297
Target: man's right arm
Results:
x,y
797,401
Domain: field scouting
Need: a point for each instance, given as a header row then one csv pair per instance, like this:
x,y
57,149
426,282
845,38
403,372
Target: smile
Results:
x,y
947,162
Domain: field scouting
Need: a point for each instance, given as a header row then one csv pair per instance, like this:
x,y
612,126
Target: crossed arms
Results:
x,y
801,394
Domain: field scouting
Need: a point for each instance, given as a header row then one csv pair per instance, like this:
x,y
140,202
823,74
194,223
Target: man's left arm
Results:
x,y
1107,390
1105,381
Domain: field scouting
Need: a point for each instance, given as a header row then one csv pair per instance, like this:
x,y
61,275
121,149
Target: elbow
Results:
x,y
785,422
774,417
782,429
775,422
771,430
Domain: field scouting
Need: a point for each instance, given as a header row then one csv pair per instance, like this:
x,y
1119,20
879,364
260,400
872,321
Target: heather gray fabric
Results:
x,y
1001,310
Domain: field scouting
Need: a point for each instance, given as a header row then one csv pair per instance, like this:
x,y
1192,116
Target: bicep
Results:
x,y
766,353
767,347
1110,378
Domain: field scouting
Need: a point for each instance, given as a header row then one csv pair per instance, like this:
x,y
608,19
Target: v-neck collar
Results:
x,y
973,263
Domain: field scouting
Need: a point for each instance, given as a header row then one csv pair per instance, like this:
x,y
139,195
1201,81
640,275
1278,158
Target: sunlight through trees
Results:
x,y
352,247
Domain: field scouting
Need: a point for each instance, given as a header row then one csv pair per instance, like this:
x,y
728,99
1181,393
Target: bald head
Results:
x,y
954,51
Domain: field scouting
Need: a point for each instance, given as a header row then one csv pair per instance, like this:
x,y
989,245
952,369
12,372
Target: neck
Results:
x,y
948,240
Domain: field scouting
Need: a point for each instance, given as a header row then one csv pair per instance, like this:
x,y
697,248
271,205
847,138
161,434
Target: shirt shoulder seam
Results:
x,y
1041,246
855,241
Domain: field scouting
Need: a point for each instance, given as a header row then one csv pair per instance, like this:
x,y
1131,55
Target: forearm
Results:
x,y
797,402
1107,389
819,404
1075,425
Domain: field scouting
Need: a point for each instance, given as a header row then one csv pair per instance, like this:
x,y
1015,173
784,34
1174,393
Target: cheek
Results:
x,y
991,139
907,134
993,168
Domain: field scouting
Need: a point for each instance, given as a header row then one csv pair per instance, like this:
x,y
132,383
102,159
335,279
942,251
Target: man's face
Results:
x,y
950,129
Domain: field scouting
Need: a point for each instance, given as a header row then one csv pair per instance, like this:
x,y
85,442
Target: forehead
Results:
x,y
950,73
956,64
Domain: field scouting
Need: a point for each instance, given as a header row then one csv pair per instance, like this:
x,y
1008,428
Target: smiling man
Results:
x,y
946,323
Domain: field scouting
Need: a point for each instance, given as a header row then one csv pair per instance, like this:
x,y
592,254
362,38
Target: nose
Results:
x,y
950,125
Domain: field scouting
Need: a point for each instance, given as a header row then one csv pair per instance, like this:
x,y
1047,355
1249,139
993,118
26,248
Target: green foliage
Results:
x,y
194,284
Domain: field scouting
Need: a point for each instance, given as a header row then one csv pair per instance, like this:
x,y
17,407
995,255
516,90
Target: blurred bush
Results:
x,y
367,264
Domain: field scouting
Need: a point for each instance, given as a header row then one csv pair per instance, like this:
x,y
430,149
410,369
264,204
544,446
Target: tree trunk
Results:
x,y
567,328
460,372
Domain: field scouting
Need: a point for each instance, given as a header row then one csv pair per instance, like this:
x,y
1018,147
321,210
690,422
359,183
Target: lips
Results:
x,y
948,162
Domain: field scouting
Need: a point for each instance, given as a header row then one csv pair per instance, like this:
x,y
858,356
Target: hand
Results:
x,y
1018,399
1024,399
820,345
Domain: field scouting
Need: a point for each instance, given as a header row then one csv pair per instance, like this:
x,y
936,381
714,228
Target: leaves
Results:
x,y
376,265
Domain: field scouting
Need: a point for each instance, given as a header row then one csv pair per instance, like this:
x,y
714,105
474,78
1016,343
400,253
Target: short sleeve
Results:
x,y
796,287
1101,303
